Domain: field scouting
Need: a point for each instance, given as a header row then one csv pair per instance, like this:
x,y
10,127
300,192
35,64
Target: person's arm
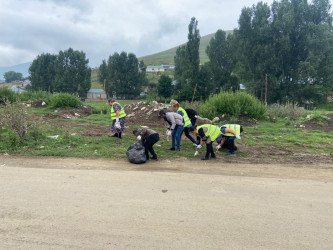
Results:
x,y
228,130
172,121
180,113
203,138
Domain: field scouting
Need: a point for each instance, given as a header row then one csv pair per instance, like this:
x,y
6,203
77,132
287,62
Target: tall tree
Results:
x,y
164,87
42,72
125,75
256,49
12,76
73,75
221,62
187,63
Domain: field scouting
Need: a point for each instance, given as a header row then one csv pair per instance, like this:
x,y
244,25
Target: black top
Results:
x,y
191,113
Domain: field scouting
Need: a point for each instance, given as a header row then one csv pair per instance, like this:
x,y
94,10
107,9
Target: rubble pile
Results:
x,y
142,114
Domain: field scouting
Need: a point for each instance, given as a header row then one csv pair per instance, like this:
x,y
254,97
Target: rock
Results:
x,y
143,108
308,116
156,110
154,103
131,115
135,108
28,105
76,114
43,103
216,119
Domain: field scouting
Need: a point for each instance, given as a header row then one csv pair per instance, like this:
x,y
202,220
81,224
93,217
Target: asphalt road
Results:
x,y
68,208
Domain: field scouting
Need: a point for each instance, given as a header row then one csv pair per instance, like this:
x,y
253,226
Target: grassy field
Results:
x,y
278,139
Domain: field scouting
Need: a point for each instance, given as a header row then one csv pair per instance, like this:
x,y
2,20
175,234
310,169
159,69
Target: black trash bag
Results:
x,y
136,153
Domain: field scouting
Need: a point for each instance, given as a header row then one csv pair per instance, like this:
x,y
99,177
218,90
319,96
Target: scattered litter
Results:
x,y
53,136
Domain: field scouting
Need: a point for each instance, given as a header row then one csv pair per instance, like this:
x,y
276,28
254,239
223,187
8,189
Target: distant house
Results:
x,y
95,94
156,70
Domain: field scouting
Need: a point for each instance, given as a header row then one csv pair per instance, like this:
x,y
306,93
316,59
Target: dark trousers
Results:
x,y
148,144
209,150
230,144
187,134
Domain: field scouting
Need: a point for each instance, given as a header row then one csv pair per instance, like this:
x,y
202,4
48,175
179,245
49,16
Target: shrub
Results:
x,y
34,95
289,110
7,95
232,104
15,117
63,100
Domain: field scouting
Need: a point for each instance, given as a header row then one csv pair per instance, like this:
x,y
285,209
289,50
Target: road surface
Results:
x,y
53,203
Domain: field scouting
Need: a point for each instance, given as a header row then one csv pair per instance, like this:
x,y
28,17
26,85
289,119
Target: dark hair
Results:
x,y
111,100
135,131
162,112
193,128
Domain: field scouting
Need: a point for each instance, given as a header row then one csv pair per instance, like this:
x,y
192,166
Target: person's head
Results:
x,y
194,130
111,101
162,113
175,105
135,132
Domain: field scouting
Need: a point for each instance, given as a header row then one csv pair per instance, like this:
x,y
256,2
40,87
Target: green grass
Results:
x,y
266,135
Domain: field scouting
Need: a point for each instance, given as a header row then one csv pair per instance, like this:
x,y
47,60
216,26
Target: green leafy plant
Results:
x,y
63,100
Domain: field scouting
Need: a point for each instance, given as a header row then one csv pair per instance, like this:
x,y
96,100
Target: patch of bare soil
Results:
x,y
325,126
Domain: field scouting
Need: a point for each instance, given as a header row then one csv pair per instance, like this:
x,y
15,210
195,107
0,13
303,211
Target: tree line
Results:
x,y
289,45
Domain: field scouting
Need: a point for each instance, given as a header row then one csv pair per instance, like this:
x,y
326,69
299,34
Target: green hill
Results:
x,y
166,57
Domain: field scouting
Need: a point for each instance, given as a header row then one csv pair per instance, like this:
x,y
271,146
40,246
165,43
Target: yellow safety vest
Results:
x,y
212,131
234,127
114,114
185,117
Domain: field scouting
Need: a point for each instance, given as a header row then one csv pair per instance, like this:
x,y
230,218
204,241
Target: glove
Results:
x,y
168,132
218,147
139,137
117,125
196,116
238,137
196,153
199,146
117,119
195,145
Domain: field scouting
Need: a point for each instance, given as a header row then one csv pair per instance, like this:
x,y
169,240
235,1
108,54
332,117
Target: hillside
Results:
x,y
167,56
21,68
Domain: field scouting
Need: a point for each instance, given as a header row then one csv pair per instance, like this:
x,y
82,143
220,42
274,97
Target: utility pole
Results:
x,y
266,90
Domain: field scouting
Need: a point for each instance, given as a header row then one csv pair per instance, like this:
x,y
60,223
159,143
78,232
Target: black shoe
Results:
x,y
235,148
115,135
231,153
205,158
213,156
172,149
154,158
178,149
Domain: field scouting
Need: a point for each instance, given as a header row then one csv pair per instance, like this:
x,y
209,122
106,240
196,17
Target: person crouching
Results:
x,y
229,132
148,137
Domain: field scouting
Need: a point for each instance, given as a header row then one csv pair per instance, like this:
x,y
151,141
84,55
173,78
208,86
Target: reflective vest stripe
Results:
x,y
185,117
114,114
234,127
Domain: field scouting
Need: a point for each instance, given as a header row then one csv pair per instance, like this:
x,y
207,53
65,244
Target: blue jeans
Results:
x,y
176,135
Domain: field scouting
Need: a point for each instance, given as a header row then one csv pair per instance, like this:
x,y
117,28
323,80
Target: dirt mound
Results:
x,y
71,113
311,124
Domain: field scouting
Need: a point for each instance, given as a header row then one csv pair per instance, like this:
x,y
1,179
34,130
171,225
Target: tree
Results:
x,y
124,74
42,72
187,63
164,87
256,49
73,74
221,62
12,76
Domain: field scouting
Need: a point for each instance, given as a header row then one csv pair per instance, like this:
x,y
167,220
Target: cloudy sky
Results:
x,y
102,27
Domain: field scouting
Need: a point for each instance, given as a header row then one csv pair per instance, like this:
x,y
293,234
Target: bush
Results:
x,y
233,104
7,95
289,110
15,117
34,95
63,100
